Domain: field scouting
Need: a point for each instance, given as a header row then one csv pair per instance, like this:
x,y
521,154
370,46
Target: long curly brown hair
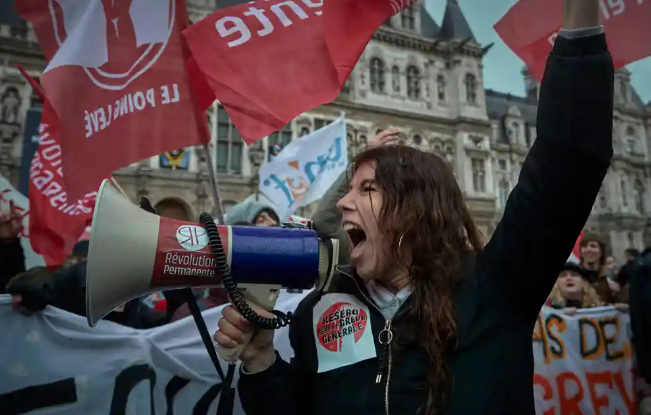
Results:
x,y
423,205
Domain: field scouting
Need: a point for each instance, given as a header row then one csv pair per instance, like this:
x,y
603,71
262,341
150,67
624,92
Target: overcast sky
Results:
x,y
501,66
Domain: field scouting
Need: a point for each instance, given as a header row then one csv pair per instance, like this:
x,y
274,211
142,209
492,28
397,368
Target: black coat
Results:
x,y
502,289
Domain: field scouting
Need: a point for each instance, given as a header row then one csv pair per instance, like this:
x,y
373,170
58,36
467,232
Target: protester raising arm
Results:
x,y
563,172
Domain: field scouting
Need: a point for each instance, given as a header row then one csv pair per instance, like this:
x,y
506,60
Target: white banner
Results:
x,y
55,363
584,363
8,194
305,169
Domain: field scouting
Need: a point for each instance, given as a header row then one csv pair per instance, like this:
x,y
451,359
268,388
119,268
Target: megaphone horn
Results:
x,y
135,253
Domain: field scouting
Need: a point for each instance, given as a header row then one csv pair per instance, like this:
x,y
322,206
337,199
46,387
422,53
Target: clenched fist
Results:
x,y
235,330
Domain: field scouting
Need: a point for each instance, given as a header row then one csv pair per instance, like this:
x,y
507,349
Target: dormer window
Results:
x,y
623,90
513,132
408,18
631,140
471,89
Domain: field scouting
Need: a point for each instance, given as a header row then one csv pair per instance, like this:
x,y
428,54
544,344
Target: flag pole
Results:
x,y
215,184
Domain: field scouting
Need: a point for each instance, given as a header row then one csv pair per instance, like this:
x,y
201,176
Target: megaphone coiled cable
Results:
x,y
237,299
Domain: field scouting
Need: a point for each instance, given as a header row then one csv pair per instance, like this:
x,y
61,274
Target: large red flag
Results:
x,y
55,223
116,79
269,61
531,26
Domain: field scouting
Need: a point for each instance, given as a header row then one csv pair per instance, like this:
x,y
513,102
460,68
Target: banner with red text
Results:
x,y
269,61
117,80
530,27
584,363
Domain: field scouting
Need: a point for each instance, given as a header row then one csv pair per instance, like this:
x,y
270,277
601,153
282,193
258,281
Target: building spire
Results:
x,y
455,25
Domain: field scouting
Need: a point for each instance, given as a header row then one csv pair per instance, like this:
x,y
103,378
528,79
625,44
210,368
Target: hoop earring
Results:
x,y
400,240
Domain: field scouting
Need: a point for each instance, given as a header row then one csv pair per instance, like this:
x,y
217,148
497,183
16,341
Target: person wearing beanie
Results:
x,y
573,290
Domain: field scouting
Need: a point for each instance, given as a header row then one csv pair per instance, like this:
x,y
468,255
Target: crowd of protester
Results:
x,y
599,279
423,220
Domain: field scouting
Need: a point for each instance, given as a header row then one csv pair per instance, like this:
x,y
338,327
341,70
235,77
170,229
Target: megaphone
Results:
x,y
134,253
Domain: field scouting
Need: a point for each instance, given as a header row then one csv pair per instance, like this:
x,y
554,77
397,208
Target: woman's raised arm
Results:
x,y
563,172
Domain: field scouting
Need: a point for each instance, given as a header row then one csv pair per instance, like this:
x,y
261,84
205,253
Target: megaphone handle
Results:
x,y
257,297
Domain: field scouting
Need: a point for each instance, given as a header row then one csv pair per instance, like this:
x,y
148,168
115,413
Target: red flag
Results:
x,y
269,61
530,27
116,79
577,246
55,224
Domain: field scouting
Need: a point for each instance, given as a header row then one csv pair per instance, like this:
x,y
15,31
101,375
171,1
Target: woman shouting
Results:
x,y
426,320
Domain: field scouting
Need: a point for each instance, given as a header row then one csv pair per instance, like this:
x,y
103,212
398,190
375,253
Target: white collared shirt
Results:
x,y
387,302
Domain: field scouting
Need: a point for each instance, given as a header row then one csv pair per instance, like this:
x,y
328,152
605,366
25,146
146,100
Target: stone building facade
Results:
x,y
420,77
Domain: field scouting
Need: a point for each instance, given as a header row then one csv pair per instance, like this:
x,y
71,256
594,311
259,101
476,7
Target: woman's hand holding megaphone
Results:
x,y
257,345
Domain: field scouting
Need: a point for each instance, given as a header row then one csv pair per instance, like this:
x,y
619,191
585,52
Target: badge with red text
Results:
x,y
183,255
342,331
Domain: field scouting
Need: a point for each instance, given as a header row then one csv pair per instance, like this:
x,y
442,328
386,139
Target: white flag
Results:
x,y
305,169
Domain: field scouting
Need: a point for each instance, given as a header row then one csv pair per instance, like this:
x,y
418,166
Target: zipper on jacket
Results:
x,y
384,338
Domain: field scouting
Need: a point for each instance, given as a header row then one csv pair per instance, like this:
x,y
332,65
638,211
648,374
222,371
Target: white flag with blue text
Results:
x,y
305,169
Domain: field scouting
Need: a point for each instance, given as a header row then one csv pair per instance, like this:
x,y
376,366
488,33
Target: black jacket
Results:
x,y
12,262
640,312
502,289
65,288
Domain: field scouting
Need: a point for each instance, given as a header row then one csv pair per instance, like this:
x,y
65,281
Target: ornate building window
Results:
x,y
440,88
418,140
347,89
377,75
513,133
504,192
603,198
304,131
624,190
478,175
282,137
319,123
229,145
638,196
413,82
395,79
471,89
631,140
623,90
408,18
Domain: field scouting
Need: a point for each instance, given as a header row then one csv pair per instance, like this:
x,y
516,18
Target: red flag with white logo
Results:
x,y
55,223
116,79
530,27
269,61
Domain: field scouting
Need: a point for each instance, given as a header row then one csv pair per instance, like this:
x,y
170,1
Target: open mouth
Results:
x,y
356,235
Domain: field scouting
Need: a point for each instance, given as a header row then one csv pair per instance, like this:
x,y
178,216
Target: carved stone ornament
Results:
x,y
256,155
10,102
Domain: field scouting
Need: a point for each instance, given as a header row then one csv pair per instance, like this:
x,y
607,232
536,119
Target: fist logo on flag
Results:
x,y
125,61
114,41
